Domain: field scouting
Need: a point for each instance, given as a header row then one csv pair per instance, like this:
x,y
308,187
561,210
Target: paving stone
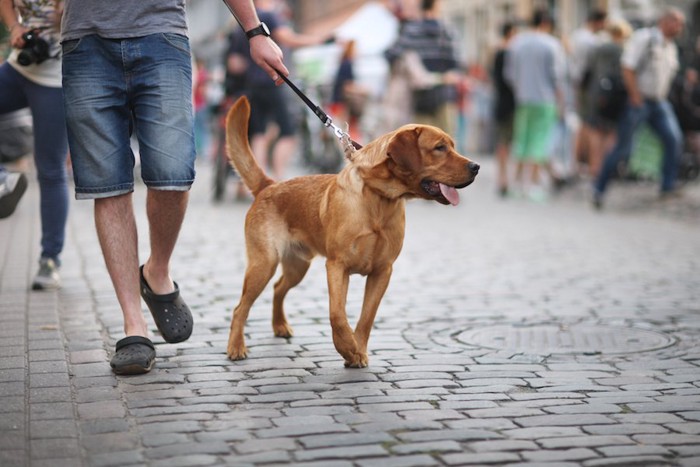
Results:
x,y
433,447
187,449
345,452
585,441
116,459
502,445
345,439
13,457
302,430
574,454
624,429
186,461
630,460
667,439
52,429
54,448
495,458
51,410
110,442
563,420
459,435
631,451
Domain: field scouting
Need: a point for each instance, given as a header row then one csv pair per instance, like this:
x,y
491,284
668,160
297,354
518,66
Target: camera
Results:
x,y
35,49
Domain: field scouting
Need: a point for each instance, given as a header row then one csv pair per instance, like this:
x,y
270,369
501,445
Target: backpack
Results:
x,y
611,96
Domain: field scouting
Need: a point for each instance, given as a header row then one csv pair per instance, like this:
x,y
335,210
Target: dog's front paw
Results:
x,y
358,360
237,352
282,330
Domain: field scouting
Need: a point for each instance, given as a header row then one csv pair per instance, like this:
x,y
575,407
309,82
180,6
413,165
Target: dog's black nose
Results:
x,y
473,167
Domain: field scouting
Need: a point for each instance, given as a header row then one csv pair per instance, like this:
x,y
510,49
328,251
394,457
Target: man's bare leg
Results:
x,y
282,154
116,231
166,212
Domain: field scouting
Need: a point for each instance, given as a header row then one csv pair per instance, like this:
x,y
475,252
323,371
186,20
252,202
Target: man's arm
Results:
x,y
630,79
263,50
9,16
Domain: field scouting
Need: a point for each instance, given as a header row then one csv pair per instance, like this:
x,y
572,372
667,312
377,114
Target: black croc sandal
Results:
x,y
170,312
135,355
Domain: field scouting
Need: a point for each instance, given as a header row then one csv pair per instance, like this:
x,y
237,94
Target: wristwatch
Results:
x,y
258,30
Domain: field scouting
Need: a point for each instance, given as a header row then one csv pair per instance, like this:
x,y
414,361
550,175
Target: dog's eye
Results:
x,y
441,147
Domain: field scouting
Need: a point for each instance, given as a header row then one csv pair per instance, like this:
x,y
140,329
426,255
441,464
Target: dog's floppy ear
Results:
x,y
403,149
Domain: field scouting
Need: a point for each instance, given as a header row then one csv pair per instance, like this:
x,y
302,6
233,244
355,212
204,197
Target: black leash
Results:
x,y
323,116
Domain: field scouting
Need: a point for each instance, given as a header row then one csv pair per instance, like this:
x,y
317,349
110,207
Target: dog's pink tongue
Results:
x,y
450,193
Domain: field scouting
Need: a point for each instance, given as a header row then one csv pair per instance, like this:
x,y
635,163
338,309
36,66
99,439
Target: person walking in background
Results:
x,y
581,44
349,97
504,108
269,103
535,69
202,112
649,65
127,65
31,77
605,93
434,101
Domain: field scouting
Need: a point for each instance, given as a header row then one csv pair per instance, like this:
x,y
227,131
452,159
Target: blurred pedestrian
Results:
x,y
31,77
535,69
127,66
649,65
606,96
504,108
268,102
581,43
202,112
433,103
349,97
685,97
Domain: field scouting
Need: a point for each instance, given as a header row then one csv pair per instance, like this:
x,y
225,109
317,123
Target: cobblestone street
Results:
x,y
512,333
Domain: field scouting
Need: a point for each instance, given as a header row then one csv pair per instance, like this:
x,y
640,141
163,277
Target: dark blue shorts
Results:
x,y
269,104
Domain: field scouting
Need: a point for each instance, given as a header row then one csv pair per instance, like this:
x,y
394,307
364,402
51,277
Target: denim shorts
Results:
x,y
115,87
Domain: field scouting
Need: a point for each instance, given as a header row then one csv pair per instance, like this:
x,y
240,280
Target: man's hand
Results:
x,y
16,34
629,77
267,54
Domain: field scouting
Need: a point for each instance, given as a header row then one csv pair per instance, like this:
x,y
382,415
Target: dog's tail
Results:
x,y
238,148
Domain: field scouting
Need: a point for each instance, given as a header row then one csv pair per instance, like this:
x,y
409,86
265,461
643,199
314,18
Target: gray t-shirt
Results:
x,y
122,19
535,67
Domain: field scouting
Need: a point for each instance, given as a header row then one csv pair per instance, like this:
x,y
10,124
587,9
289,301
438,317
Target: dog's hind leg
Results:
x,y
375,287
294,269
257,275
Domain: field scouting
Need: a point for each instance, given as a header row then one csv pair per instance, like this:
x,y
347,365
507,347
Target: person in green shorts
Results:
x,y
535,70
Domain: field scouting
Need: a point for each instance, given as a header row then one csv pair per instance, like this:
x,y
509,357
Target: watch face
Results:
x,y
265,29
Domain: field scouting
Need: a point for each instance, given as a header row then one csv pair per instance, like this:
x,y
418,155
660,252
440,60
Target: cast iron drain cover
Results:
x,y
578,338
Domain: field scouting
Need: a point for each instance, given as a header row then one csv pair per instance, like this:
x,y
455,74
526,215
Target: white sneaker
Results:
x,y
11,190
47,277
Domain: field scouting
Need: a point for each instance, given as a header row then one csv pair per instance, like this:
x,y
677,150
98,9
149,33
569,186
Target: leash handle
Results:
x,y
314,108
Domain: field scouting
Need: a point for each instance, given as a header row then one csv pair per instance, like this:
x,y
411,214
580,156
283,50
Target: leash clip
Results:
x,y
336,130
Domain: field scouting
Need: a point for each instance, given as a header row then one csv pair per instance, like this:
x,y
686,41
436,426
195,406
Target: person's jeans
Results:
x,y
662,120
50,151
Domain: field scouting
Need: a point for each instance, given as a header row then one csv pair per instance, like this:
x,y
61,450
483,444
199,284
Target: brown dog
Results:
x,y
356,219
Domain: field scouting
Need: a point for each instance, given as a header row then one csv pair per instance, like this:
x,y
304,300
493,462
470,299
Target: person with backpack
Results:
x,y
606,94
649,65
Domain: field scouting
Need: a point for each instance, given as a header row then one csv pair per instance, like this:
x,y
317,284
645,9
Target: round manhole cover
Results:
x,y
580,338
